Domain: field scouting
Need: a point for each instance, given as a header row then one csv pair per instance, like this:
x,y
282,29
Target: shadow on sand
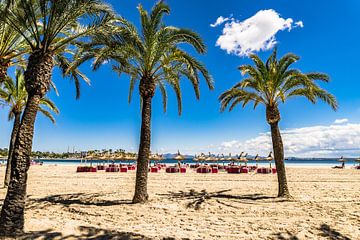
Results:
x,y
76,198
199,197
90,233
331,233
325,232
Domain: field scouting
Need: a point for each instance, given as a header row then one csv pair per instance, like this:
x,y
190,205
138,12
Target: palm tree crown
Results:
x,y
14,96
51,28
273,82
151,56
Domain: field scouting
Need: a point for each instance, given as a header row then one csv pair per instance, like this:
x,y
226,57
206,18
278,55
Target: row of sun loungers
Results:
x,y
232,169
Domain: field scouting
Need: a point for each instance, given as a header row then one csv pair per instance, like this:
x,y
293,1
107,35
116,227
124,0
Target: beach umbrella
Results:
x,y
89,157
243,158
231,159
256,159
195,158
202,157
179,157
342,160
269,158
209,158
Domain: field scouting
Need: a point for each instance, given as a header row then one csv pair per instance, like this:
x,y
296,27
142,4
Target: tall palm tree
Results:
x,y
270,84
153,59
50,28
15,97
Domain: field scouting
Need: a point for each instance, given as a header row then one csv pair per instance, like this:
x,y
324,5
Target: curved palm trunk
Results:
x,y
273,118
37,78
279,160
141,194
12,212
14,132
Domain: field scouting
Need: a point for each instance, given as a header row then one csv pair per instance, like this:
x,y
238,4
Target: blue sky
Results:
x,y
328,42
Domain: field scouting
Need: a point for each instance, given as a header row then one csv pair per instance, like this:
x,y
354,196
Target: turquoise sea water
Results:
x,y
291,162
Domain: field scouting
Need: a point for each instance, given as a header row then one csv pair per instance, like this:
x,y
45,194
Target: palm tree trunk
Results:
x,y
37,79
273,118
141,194
12,212
278,148
14,132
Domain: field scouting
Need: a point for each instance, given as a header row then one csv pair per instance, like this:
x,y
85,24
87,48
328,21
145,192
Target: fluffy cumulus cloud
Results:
x,y
317,141
341,121
253,34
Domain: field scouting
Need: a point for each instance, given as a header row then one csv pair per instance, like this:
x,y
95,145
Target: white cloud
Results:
x,y
299,24
253,34
220,20
341,121
315,141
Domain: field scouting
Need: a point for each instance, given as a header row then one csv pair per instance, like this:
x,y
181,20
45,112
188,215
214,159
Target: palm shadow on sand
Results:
x,y
326,232
198,197
83,199
90,233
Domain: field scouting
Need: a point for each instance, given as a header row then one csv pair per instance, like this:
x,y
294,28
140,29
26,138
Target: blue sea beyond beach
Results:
x,y
298,162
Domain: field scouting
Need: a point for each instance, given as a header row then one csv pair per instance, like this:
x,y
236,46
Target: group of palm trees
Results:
x,y
39,35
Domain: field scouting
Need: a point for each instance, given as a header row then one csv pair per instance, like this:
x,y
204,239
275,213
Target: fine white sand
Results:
x,y
63,204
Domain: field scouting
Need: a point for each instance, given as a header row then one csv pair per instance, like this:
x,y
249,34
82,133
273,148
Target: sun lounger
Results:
x,y
112,169
86,169
233,169
183,170
244,170
203,170
172,170
214,170
123,169
264,170
100,167
154,169
131,167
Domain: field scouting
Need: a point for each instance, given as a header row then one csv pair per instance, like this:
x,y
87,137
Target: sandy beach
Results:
x,y
63,204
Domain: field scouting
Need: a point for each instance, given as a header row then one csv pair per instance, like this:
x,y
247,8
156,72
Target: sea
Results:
x,y
293,162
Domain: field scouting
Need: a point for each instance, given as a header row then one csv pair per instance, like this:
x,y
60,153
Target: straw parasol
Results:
x,y
243,158
256,159
209,158
231,159
201,158
269,158
342,160
179,157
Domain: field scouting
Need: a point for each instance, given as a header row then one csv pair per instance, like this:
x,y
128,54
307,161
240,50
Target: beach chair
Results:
x,y
233,169
244,170
172,170
203,169
154,169
112,169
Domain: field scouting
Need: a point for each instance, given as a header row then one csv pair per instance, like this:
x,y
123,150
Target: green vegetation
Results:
x,y
152,59
271,83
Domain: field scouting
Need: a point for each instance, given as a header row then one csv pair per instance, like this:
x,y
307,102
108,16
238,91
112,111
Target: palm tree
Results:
x,y
15,97
12,47
50,29
153,59
272,83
